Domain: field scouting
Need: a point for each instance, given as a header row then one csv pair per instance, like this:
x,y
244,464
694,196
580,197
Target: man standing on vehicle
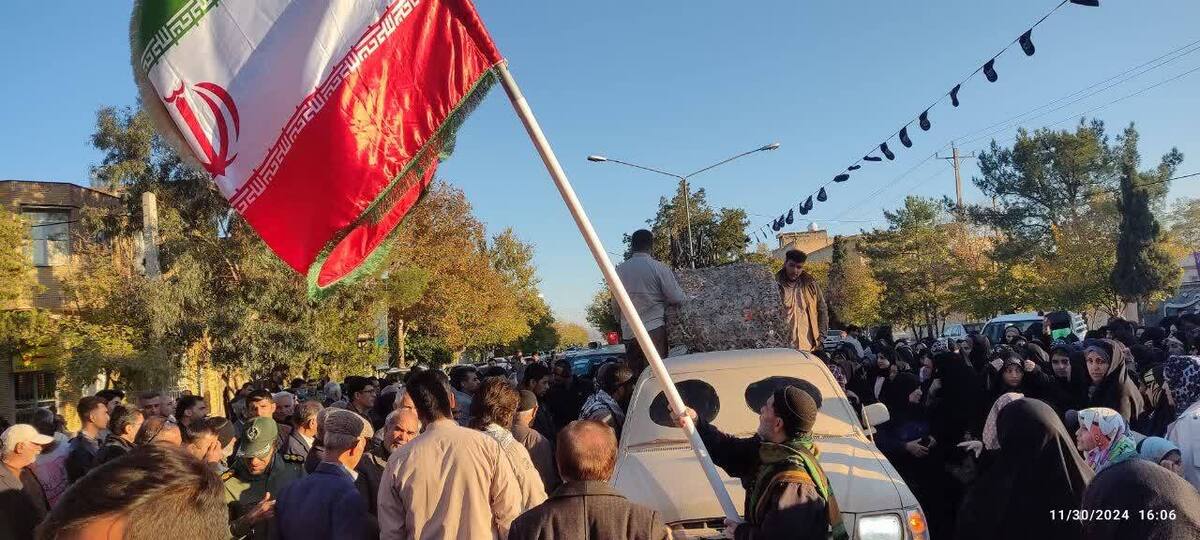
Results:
x,y
787,492
803,303
652,287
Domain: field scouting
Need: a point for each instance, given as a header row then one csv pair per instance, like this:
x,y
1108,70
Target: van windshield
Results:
x,y
995,330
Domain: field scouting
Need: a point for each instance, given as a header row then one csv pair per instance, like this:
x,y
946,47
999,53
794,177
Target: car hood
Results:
x,y
668,478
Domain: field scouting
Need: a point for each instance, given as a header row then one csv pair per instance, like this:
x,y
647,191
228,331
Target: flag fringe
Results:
x,y
437,148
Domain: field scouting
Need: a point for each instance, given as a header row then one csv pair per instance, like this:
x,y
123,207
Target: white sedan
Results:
x,y
656,466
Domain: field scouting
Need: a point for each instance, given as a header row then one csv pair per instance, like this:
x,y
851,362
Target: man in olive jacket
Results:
x,y
585,506
787,492
803,303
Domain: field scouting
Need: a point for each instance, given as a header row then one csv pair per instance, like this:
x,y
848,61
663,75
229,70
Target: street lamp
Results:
x,y
687,195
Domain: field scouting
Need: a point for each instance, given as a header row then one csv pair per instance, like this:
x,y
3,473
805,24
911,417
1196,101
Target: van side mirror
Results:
x,y
876,414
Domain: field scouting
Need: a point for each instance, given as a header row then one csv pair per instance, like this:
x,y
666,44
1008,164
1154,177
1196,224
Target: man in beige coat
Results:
x,y
450,481
803,303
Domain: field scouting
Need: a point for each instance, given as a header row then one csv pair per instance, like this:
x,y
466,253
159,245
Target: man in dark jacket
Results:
x,y
585,506
325,504
93,415
566,394
123,425
787,492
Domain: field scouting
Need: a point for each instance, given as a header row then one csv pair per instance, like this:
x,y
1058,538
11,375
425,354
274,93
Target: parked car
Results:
x,y
961,331
995,328
584,363
656,466
833,338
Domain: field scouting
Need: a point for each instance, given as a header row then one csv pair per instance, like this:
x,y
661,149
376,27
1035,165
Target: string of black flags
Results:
x,y
904,135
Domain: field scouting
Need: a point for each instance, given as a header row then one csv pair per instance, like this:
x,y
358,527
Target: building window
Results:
x,y
33,390
50,232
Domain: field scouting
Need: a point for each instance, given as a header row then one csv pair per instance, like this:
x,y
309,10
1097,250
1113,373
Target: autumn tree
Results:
x,y
16,268
571,334
1183,223
852,292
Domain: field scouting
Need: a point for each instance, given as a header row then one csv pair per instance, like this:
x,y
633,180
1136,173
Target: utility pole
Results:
x,y
150,234
954,158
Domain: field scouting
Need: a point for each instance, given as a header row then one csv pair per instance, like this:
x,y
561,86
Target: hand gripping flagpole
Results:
x,y
614,284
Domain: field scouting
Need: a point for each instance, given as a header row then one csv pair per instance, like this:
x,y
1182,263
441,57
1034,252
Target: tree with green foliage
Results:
x,y
1144,268
909,259
600,314
852,292
543,336
1045,180
718,236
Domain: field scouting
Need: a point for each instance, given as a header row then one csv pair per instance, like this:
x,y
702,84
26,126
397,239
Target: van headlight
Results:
x,y
880,527
893,527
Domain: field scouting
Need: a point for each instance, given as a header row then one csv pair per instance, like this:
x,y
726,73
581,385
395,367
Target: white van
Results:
x,y
656,466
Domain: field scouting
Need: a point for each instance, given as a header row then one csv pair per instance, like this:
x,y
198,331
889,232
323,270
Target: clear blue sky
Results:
x,y
681,84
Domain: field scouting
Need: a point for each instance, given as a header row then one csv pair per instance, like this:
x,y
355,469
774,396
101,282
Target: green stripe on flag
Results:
x,y
162,23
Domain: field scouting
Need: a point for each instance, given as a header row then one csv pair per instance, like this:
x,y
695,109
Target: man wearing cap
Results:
x,y
22,500
326,504
540,450
787,492
255,475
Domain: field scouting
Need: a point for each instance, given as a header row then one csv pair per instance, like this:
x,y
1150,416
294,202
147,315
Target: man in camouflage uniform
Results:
x,y
255,478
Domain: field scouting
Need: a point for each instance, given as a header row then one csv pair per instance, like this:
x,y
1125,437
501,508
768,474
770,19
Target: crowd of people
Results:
x,y
1027,437
501,451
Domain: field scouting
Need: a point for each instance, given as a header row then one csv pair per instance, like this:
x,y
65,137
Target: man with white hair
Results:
x,y
24,500
285,406
333,393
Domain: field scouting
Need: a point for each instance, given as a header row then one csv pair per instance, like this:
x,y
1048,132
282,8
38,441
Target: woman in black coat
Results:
x,y
1038,471
1129,488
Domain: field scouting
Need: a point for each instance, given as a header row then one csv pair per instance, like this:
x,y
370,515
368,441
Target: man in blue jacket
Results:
x,y
325,504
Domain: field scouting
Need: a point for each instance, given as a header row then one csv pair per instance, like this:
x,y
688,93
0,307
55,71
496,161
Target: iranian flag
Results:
x,y
321,121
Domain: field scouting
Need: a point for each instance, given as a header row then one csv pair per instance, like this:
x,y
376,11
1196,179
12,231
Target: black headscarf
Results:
x,y
1038,470
981,348
895,395
957,397
1117,391
1137,485
1071,394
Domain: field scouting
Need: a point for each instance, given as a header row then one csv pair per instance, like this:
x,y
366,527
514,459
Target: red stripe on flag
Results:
x,y
369,131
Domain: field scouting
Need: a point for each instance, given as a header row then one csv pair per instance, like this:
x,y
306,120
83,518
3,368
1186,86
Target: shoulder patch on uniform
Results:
x,y
227,475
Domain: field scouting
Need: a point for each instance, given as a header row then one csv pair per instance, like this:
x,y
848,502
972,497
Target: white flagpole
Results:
x,y
614,283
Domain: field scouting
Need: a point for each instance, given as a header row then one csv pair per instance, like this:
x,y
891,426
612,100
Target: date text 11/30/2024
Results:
x,y
1111,515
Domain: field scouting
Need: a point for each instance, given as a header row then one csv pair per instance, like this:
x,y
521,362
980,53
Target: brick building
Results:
x,y
53,211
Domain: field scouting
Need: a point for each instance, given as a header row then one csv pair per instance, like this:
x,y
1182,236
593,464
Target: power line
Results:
x,y
1110,103
1188,49
987,67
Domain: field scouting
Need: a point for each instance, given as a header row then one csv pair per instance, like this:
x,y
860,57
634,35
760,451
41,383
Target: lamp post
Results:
x,y
683,178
